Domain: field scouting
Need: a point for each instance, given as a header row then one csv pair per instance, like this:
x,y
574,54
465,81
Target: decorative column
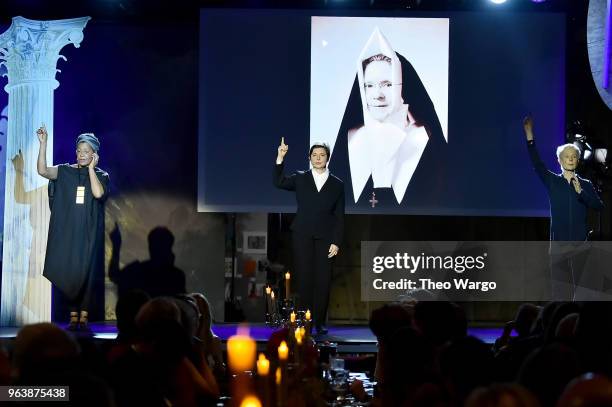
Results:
x,y
29,50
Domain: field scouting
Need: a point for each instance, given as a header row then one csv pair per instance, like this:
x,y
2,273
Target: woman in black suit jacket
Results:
x,y
317,228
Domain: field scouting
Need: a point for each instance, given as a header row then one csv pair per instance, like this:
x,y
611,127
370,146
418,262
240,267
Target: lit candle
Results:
x,y
279,376
272,298
263,369
280,391
298,335
283,351
308,323
263,365
287,282
268,310
292,317
250,401
241,353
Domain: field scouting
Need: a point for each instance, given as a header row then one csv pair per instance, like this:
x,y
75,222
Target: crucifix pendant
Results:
x,y
80,195
373,201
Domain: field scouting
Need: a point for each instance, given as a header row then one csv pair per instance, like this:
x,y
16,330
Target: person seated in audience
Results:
x,y
465,364
594,337
126,309
510,352
561,311
440,321
407,371
588,390
522,324
543,321
384,321
157,369
46,355
548,370
209,342
502,394
566,329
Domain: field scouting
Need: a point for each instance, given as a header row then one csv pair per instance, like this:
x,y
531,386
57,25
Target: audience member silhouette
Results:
x,y
46,355
166,352
523,324
566,328
209,342
384,322
587,391
510,352
406,365
594,337
126,309
440,321
504,394
466,364
548,370
157,368
561,311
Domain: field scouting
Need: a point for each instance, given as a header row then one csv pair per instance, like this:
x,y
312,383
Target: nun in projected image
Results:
x,y
390,149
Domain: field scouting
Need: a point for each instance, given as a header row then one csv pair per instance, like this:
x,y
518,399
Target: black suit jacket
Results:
x,y
320,214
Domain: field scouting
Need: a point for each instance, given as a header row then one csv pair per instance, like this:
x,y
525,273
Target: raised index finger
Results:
x,y
282,141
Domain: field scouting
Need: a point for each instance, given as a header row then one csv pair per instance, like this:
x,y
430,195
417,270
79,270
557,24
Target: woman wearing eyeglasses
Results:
x,y
75,246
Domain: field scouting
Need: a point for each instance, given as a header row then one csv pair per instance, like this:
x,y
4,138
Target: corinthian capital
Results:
x,y
30,49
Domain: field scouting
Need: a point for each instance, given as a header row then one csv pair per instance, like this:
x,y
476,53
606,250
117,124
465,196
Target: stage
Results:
x,y
354,339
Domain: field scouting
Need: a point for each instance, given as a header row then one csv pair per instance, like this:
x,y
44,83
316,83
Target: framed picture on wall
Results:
x,y
255,242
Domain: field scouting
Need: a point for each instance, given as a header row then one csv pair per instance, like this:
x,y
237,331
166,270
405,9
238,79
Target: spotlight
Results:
x,y
601,154
498,1
586,151
576,136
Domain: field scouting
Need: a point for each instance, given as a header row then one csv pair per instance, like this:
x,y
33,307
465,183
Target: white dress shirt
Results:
x,y
320,179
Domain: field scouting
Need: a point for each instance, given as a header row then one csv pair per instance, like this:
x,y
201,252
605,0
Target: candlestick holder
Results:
x,y
288,306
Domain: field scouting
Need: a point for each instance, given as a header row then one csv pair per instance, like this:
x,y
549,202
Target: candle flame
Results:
x,y
250,401
283,351
263,365
279,376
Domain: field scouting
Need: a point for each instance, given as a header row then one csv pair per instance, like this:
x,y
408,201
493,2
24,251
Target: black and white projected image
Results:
x,y
391,128
419,120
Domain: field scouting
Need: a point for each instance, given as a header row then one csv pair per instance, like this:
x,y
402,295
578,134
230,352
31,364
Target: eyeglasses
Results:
x,y
380,85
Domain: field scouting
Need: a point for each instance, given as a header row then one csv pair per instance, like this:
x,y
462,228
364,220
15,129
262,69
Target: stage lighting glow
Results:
x,y
586,151
601,154
498,1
